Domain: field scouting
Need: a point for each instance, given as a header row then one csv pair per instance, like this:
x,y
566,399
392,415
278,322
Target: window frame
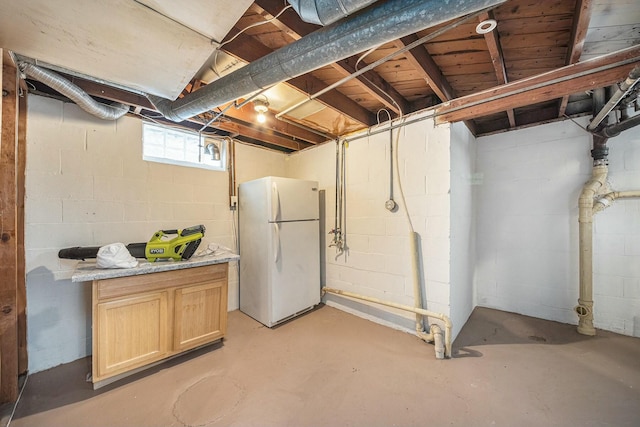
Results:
x,y
202,140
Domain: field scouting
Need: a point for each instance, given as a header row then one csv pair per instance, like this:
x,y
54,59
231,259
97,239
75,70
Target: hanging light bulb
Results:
x,y
261,107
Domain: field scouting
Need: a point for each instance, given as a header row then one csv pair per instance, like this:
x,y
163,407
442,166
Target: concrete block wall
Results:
x,y
527,226
463,159
87,185
616,281
377,262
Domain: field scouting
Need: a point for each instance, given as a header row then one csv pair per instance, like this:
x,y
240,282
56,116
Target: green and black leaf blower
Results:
x,y
164,244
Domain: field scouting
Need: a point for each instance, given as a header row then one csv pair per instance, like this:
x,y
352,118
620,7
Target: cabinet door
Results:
x,y
200,314
131,332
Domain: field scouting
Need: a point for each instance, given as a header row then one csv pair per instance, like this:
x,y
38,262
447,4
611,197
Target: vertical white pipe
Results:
x,y
415,273
584,309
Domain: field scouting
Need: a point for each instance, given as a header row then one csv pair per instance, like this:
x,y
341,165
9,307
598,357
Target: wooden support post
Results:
x,y
8,235
21,291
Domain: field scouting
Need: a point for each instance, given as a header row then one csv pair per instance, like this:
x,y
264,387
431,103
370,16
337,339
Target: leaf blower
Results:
x,y
164,244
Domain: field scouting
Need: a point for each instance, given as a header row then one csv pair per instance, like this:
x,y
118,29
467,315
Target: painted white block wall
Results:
x,y
463,158
378,262
87,185
527,226
616,281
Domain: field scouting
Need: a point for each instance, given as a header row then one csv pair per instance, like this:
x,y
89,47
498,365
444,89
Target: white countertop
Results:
x,y
86,271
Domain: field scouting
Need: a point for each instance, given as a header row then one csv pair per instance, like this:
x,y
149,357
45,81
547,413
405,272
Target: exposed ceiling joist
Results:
x,y
249,49
531,40
370,81
247,115
497,58
426,66
576,42
598,72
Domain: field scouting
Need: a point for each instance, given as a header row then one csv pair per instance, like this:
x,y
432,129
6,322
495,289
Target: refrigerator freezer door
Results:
x,y
293,199
295,273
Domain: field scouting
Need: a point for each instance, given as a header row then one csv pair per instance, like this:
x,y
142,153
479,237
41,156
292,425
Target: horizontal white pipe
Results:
x,y
605,201
447,322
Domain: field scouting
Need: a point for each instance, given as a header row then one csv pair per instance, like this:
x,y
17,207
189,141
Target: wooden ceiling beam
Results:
x,y
239,130
375,86
268,136
247,115
249,49
581,19
424,64
422,61
497,58
370,81
598,72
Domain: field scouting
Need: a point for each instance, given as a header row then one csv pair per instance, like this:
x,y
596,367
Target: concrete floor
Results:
x,y
329,368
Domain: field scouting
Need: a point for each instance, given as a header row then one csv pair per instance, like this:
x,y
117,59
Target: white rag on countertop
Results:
x,y
115,255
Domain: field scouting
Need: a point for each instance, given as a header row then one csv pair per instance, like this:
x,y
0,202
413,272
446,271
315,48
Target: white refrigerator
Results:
x,y
279,248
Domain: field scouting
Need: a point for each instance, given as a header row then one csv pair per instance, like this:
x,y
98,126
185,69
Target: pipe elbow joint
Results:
x,y
164,107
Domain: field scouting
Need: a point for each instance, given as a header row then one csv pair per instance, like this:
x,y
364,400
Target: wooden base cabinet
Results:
x,y
141,320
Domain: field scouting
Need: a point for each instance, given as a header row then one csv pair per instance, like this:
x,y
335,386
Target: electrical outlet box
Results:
x,y
234,202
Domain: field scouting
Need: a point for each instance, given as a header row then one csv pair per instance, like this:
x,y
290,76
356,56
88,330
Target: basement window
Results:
x,y
183,148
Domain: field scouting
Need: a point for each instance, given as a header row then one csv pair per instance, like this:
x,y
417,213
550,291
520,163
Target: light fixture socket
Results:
x,y
486,26
261,106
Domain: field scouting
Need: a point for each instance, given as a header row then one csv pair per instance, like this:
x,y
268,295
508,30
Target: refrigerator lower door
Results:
x,y
294,274
254,267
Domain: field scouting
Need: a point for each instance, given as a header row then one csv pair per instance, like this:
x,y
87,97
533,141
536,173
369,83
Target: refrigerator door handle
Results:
x,y
275,202
276,242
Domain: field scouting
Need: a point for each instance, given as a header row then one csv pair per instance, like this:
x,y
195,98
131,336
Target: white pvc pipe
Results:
x,y
606,200
584,309
433,335
415,272
589,205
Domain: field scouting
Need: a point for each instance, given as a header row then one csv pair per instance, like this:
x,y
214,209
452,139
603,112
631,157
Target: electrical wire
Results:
x,y
255,24
380,90
399,181
365,54
15,405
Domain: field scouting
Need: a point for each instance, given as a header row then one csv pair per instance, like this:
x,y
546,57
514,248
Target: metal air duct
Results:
x,y
377,25
74,93
325,12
